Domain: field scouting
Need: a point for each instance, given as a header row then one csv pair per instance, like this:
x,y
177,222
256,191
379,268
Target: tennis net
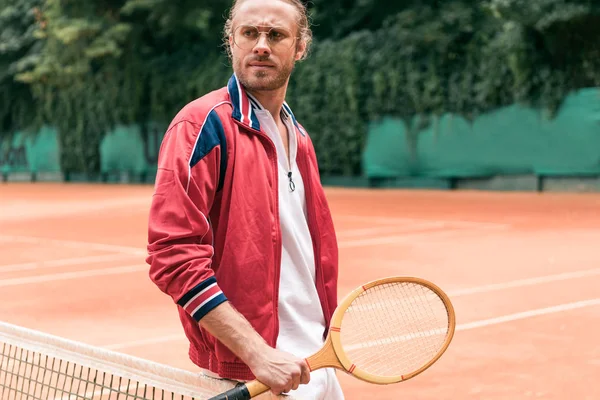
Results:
x,y
38,366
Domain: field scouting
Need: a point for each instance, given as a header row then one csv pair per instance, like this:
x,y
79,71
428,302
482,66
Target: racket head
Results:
x,y
372,318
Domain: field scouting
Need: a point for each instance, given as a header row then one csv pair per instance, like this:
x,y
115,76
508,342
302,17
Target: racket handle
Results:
x,y
242,391
239,392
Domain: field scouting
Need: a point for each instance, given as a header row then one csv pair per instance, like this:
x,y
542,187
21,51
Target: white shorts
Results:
x,y
323,385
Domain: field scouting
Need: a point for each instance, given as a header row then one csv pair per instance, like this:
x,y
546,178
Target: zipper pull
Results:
x,y
292,184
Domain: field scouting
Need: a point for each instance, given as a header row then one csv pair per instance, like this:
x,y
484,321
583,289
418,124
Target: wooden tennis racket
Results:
x,y
386,331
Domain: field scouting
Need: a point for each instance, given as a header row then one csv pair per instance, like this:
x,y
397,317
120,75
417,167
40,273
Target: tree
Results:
x,y
19,50
550,45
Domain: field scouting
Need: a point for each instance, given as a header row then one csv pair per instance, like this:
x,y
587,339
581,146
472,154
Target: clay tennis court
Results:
x,y
523,272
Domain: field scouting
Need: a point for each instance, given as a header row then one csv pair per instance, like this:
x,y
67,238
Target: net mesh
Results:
x,y
36,366
394,329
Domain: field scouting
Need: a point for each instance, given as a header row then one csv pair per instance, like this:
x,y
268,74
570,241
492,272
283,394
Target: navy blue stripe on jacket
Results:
x,y
212,134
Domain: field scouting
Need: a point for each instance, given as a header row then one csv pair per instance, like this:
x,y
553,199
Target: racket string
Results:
x,y
394,329
383,343
370,357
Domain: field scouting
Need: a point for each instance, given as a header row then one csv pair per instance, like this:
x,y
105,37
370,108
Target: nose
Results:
x,y
262,46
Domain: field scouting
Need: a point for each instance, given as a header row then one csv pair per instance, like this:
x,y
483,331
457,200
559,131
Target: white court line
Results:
x,y
415,222
460,327
28,210
406,238
415,229
493,287
524,282
349,233
64,262
75,244
73,275
142,252
485,322
528,314
455,293
139,252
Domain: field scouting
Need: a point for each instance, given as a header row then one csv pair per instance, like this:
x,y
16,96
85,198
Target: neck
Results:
x,y
271,100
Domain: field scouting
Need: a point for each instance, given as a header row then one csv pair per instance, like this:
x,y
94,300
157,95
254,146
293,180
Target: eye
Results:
x,y
276,35
249,32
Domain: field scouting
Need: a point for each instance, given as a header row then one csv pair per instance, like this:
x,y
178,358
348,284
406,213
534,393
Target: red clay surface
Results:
x,y
523,272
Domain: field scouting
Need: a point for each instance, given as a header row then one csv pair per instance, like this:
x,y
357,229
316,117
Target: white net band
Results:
x,y
38,366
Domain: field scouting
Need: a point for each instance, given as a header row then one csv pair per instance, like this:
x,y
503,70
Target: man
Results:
x,y
240,234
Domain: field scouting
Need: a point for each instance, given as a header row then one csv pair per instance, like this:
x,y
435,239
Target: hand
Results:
x,y
280,371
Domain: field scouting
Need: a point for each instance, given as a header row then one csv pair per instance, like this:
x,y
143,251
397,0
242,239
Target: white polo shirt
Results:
x,y
301,320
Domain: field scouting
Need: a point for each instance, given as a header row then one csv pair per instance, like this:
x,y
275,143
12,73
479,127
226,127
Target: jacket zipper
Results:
x,y
278,244
292,185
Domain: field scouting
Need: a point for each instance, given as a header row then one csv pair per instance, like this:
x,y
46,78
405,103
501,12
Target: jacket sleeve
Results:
x,y
179,233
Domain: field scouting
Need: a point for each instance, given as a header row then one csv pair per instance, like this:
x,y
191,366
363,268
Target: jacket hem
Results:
x,y
228,370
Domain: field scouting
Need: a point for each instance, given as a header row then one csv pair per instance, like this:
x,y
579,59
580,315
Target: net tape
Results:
x,y
35,365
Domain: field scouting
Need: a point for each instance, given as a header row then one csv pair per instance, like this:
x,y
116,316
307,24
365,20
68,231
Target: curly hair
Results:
x,y
304,31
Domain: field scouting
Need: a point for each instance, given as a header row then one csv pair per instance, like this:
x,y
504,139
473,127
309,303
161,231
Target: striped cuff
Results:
x,y
202,298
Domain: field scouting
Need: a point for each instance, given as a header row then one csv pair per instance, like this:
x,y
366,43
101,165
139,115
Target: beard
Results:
x,y
273,79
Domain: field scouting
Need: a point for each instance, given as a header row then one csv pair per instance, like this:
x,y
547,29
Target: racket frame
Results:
x,y
334,335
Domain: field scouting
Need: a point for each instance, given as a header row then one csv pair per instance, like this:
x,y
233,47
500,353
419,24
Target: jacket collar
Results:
x,y
244,106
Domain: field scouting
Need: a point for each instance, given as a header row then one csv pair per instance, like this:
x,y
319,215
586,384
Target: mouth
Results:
x,y
261,65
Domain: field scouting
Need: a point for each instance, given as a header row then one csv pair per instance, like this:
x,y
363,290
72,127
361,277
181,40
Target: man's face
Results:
x,y
264,44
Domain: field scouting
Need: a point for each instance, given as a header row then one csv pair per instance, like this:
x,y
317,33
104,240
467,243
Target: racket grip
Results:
x,y
239,392
243,391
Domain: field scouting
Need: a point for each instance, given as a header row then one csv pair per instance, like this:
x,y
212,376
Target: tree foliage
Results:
x,y
85,67
19,50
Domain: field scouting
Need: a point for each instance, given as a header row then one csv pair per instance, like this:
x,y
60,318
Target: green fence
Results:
x,y
29,156
512,148
130,153
127,154
512,141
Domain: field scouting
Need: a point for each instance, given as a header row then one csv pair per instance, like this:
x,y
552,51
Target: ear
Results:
x,y
300,50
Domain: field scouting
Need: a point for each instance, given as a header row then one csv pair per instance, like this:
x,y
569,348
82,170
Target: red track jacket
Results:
x,y
213,232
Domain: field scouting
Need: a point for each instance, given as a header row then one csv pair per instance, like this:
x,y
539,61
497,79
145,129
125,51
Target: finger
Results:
x,y
296,377
305,375
279,388
296,384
